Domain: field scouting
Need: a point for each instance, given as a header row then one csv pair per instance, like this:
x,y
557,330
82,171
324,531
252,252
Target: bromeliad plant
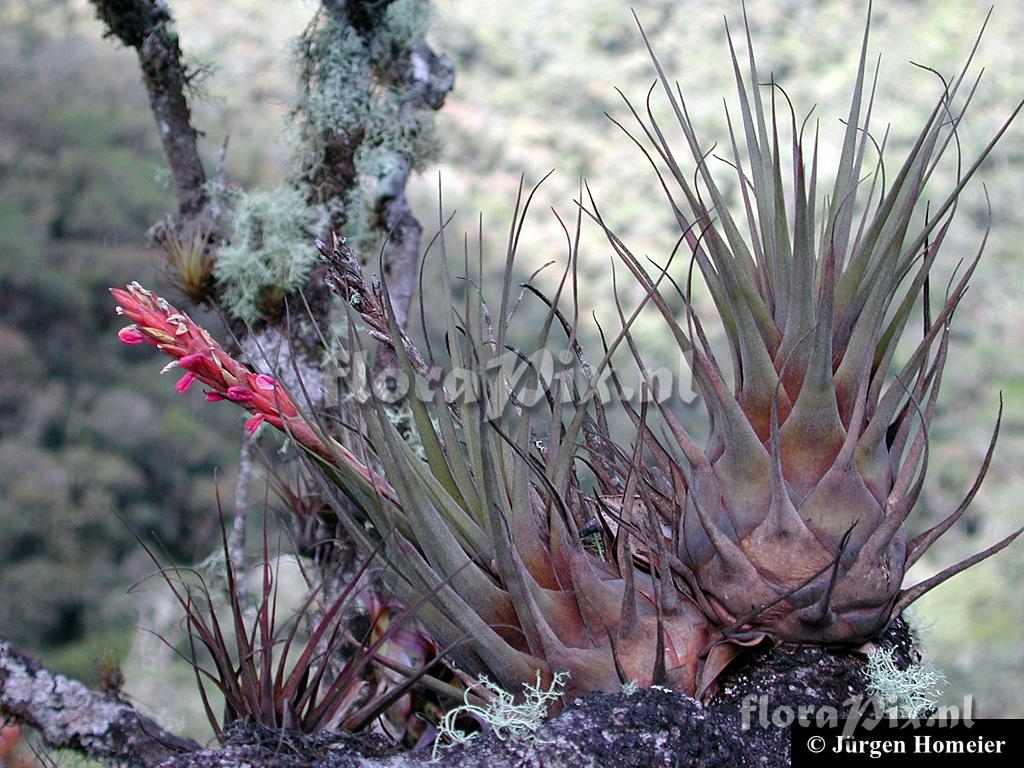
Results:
x,y
793,516
788,524
476,535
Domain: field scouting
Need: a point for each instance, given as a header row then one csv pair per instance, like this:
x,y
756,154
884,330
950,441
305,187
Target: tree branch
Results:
x,y
236,540
429,79
69,715
146,26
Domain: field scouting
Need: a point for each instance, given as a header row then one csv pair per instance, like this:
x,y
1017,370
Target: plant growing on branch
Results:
x,y
788,524
268,674
793,519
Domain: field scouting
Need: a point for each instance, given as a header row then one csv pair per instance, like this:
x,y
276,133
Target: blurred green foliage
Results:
x,y
86,430
85,427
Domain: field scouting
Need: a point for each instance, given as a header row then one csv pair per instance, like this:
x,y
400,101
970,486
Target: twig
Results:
x,y
236,541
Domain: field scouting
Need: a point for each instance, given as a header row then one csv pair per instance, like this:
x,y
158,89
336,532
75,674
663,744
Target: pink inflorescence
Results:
x,y
156,322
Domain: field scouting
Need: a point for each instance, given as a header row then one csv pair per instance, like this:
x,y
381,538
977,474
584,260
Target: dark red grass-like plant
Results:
x,y
269,674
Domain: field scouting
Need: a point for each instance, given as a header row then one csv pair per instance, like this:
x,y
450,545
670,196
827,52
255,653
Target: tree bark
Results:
x,y
69,715
147,26
650,727
430,77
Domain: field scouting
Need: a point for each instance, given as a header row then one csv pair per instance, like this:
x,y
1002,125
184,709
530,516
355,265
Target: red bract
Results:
x,y
253,423
240,394
129,335
185,382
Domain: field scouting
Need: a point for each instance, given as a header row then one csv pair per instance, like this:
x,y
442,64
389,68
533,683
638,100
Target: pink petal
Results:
x,y
239,394
130,335
253,424
265,382
185,382
213,397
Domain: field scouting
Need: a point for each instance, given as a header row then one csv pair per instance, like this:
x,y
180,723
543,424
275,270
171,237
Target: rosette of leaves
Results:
x,y
792,517
790,522
500,525
302,670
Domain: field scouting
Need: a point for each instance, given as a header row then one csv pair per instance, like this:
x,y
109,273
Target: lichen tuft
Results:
x,y
270,254
508,719
905,693
358,102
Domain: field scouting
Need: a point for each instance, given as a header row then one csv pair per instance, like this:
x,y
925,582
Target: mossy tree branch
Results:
x,y
620,730
68,715
370,82
649,727
279,337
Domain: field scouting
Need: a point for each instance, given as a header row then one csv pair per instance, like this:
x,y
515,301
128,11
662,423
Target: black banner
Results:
x,y
970,743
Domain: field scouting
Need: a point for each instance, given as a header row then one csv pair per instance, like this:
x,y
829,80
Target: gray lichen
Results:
x,y
908,693
337,97
404,22
357,93
270,254
508,718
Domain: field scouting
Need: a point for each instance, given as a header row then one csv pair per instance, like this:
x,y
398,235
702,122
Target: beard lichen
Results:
x,y
358,111
270,254
507,719
905,693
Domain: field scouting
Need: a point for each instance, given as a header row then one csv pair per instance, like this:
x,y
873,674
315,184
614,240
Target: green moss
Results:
x,y
270,254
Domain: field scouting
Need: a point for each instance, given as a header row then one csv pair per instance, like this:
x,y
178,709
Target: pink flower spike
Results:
x,y
239,394
130,335
254,423
185,382
265,382
213,397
